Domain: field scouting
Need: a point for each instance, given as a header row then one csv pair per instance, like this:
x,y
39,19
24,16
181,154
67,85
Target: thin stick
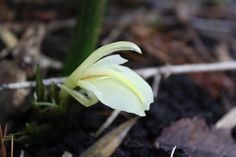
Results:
x,y
29,84
108,122
145,73
12,146
173,151
67,154
5,131
228,121
187,68
156,84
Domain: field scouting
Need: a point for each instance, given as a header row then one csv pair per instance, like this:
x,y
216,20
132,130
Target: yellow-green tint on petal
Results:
x,y
114,94
141,85
106,72
98,54
105,79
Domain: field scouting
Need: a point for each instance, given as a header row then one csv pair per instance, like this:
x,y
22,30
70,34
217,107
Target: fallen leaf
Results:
x,y
10,100
106,146
197,139
9,39
214,83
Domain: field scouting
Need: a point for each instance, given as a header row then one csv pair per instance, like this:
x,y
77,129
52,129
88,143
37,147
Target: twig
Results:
x,y
22,153
5,131
29,84
156,84
145,73
12,146
108,122
173,151
228,121
67,154
187,68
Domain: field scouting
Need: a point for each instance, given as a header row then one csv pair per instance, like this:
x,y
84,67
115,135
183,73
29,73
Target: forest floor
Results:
x,y
189,110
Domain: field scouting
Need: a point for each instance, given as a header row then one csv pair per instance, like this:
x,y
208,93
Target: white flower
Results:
x,y
102,77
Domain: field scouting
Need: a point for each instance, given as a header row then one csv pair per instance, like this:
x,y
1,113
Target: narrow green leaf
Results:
x,y
86,33
53,93
40,88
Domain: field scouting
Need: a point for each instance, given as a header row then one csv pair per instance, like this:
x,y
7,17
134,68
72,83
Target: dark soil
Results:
x,y
178,98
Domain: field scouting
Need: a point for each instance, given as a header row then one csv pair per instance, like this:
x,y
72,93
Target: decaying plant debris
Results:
x,y
169,33
195,138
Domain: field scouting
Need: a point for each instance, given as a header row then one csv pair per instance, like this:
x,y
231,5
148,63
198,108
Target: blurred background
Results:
x,y
173,32
169,32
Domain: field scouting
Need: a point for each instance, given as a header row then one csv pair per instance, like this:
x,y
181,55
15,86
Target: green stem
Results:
x,y
86,32
63,95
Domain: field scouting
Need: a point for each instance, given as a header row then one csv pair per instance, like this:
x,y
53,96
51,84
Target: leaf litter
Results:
x,y
196,139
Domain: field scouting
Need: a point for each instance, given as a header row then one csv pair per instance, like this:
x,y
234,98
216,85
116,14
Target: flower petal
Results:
x,y
104,51
142,86
114,94
103,72
113,59
127,77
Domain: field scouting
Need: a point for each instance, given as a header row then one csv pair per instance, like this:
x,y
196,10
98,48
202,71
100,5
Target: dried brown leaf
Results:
x,y
214,83
197,139
105,146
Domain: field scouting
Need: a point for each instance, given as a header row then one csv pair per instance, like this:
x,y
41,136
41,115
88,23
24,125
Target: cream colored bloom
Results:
x,y
102,77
